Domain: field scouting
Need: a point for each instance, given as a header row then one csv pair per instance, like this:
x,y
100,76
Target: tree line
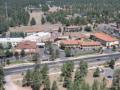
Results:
x,y
39,77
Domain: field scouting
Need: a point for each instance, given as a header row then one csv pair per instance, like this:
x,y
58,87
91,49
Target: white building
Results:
x,y
13,41
39,37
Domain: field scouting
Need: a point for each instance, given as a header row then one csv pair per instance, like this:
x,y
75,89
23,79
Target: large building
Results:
x,y
13,41
86,45
28,46
105,39
71,29
76,35
39,37
26,29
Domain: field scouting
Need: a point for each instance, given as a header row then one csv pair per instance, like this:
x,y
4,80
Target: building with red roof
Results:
x,y
70,43
105,39
76,35
27,46
81,44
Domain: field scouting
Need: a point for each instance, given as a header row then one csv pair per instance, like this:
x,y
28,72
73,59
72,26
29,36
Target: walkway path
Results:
x,y
11,86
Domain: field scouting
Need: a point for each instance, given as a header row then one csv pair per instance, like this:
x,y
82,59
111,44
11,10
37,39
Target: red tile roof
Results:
x,y
92,43
105,37
27,45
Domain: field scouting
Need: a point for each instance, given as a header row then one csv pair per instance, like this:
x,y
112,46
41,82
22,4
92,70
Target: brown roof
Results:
x,y
26,45
105,37
26,29
75,34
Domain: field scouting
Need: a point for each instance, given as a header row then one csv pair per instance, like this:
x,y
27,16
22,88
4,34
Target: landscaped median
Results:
x,y
17,65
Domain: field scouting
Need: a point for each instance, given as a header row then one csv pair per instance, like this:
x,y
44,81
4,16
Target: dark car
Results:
x,y
98,59
109,76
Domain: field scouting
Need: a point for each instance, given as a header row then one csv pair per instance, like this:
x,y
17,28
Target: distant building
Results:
x,y
71,29
105,39
28,46
71,43
115,30
112,29
39,37
27,30
13,41
75,35
61,38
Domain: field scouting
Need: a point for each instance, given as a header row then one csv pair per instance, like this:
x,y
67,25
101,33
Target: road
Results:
x,y
58,63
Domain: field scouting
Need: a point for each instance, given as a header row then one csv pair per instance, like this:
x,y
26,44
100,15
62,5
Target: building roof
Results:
x,y
38,37
105,37
70,42
11,39
39,28
78,42
26,45
75,34
26,29
92,43
72,27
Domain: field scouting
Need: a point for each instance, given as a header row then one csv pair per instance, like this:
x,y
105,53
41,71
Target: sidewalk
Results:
x,y
17,65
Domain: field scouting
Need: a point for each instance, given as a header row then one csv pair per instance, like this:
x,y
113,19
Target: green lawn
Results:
x,y
17,62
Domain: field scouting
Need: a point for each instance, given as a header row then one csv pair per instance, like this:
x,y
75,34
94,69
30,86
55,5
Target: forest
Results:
x,y
100,10
13,13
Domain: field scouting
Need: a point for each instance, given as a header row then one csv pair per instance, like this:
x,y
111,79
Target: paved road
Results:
x,y
58,63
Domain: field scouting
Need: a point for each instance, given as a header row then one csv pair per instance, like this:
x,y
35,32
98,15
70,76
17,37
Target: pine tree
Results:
x,y
111,64
44,71
47,83
32,22
27,78
96,73
67,69
57,53
35,58
116,80
22,53
96,85
8,53
9,45
1,78
54,86
45,8
70,86
16,54
103,84
78,76
83,66
43,20
59,30
67,52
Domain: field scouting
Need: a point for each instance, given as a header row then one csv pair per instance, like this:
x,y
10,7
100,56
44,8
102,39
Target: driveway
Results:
x,y
11,86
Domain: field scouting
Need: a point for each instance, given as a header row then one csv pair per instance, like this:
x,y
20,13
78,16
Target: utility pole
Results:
x,y
6,10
